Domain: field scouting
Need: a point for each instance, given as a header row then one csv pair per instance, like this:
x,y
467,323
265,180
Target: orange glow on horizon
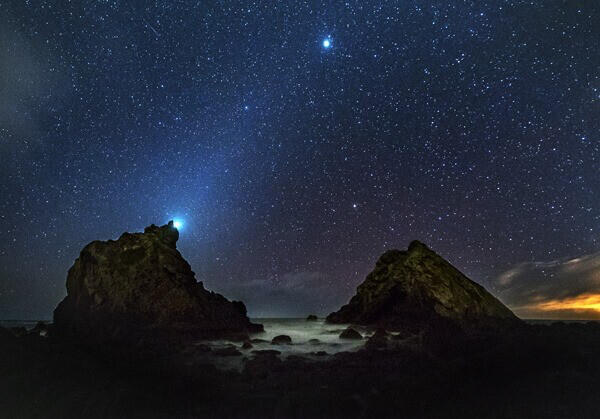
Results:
x,y
580,302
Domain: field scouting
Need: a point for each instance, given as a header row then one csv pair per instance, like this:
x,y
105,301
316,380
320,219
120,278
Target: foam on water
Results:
x,y
301,331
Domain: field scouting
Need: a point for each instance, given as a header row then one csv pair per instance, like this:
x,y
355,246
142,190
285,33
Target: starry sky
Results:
x,y
297,141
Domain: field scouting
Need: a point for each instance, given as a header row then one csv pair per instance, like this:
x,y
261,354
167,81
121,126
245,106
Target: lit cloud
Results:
x,y
566,289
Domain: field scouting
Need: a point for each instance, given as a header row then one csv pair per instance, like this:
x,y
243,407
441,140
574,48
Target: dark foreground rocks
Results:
x,y
416,289
537,372
379,340
227,351
139,290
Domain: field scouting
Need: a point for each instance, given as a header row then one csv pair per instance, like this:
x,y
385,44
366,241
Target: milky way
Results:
x,y
293,164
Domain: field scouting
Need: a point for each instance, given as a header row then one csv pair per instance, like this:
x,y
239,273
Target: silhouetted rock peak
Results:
x,y
417,288
140,287
167,234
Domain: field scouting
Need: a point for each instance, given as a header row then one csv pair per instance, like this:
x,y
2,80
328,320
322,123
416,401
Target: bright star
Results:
x,y
327,43
177,224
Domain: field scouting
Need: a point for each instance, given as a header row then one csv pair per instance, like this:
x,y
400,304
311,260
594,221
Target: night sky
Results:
x,y
297,141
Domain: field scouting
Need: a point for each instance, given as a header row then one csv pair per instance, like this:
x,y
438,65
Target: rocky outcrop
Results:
x,y
417,288
140,288
312,318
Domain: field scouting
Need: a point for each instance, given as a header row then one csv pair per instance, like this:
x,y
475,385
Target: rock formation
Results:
x,y
281,340
139,288
417,288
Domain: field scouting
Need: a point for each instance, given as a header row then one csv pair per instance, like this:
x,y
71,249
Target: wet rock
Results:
x,y
312,318
414,288
314,341
350,333
281,340
256,340
140,289
319,353
247,345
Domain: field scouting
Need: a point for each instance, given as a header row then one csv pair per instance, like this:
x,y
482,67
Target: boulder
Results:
x,y
281,340
140,289
350,333
247,345
312,318
409,290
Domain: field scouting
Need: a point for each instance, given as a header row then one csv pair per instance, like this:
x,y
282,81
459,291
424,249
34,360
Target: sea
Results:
x,y
316,340
308,339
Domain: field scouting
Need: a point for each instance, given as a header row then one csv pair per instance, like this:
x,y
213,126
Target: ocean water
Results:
x,y
303,334
300,330
308,338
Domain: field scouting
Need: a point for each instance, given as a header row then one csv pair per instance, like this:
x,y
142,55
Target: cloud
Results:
x,y
567,289
294,294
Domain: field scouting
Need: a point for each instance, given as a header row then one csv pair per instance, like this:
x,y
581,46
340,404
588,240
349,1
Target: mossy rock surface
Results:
x,y
417,289
140,288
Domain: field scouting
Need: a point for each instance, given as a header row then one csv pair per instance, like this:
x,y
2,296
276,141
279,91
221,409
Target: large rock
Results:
x,y
415,289
281,340
140,288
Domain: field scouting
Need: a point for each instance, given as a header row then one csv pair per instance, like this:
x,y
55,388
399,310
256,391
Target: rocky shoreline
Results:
x,y
535,371
137,336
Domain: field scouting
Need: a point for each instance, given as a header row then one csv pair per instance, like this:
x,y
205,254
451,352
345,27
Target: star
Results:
x,y
240,141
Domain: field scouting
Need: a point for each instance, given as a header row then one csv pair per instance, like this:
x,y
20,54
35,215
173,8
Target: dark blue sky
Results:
x,y
472,126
